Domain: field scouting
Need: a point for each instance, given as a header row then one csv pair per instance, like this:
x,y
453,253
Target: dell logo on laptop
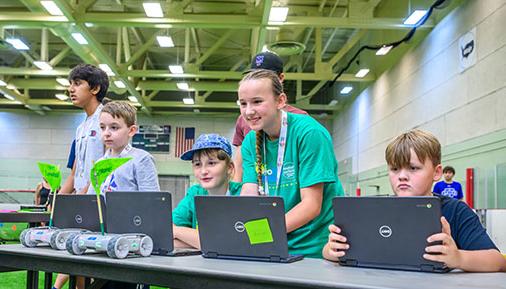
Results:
x,y
385,231
239,227
79,219
137,221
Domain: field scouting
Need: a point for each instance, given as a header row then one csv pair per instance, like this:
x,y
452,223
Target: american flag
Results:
x,y
185,137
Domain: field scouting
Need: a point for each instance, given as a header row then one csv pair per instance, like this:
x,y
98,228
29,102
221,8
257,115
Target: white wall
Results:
x,y
426,90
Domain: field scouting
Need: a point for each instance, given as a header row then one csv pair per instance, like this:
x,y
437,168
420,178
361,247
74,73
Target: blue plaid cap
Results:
x,y
208,141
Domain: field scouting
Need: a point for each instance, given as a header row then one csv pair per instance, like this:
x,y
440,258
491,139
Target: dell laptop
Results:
x,y
388,232
148,213
244,228
78,211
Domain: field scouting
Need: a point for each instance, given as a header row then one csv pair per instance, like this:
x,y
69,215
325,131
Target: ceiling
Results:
x,y
214,42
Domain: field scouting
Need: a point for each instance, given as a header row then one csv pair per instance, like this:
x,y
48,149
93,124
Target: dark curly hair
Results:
x,y
94,76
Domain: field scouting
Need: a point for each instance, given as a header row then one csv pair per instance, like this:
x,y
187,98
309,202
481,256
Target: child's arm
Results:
x,y
309,207
489,260
336,246
249,189
186,235
68,186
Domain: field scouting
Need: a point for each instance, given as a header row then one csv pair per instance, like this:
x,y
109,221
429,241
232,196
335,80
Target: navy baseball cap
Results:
x,y
267,60
208,141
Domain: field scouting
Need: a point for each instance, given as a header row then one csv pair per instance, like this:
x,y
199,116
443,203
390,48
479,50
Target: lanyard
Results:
x,y
281,155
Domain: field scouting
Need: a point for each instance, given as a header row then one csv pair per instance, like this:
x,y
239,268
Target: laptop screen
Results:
x,y
78,211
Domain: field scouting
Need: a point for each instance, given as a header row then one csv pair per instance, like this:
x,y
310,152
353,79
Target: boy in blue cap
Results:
x,y
213,168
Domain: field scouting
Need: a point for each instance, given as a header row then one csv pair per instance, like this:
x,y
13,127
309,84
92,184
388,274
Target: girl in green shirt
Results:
x,y
213,168
291,156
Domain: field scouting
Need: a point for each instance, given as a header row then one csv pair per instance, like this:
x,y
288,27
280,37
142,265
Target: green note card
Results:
x,y
259,231
102,169
52,175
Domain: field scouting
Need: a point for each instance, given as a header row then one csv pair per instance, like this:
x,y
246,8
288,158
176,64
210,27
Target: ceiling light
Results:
x,y
17,43
11,86
196,110
278,14
415,17
61,96
133,98
384,50
333,102
88,24
119,84
362,72
183,85
165,41
176,69
346,89
238,103
79,38
63,81
52,8
153,9
106,69
2,83
43,65
188,100
9,97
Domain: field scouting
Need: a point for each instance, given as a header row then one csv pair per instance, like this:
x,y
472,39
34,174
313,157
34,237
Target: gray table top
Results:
x,y
198,272
24,217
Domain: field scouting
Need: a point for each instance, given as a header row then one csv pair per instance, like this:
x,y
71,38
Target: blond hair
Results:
x,y
424,144
121,109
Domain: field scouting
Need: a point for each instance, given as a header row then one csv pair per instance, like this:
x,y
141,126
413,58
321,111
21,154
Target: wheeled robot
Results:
x,y
52,236
115,245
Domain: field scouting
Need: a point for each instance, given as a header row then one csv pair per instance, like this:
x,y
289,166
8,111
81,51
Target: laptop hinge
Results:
x,y
349,262
274,258
212,254
427,268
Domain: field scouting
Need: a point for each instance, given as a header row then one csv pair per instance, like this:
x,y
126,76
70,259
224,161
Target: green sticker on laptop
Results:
x,y
259,231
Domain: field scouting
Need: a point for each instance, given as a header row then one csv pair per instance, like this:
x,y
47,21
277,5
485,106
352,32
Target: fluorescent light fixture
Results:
x,y
61,96
264,48
42,65
188,100
196,110
165,41
153,9
106,69
119,84
362,72
11,86
17,43
238,103
183,85
2,83
79,38
52,8
88,24
63,81
346,90
333,102
415,17
133,98
278,14
384,50
9,97
176,69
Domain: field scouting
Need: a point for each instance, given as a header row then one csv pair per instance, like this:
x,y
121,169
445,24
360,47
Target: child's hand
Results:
x,y
336,245
447,253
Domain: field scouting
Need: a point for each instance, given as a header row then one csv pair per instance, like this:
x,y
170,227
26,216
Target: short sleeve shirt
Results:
x,y
309,160
89,148
184,214
452,190
242,128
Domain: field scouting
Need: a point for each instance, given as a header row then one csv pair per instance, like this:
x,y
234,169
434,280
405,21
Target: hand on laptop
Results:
x,y
446,250
336,246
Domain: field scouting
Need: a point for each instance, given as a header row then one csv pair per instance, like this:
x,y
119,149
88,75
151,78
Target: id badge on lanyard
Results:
x,y
279,160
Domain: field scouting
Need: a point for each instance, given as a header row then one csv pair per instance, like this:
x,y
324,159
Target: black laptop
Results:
x,y
148,213
389,232
78,211
244,228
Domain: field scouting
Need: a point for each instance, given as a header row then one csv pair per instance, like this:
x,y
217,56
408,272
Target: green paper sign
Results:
x,y
52,175
259,231
102,169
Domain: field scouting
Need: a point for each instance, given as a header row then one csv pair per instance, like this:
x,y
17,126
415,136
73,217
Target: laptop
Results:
x,y
388,232
244,228
148,213
78,212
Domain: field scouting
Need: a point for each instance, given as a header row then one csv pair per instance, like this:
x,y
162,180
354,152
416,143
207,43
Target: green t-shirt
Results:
x,y
309,159
184,214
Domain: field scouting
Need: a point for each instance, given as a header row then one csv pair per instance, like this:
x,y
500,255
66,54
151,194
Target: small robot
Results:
x,y
115,245
52,236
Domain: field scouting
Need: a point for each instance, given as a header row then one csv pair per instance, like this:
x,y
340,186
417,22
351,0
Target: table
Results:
x,y
24,217
197,272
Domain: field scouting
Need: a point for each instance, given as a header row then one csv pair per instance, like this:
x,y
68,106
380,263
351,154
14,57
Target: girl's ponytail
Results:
x,y
258,167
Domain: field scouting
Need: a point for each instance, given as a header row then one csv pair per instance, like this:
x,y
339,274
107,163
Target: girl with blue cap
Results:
x,y
211,157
